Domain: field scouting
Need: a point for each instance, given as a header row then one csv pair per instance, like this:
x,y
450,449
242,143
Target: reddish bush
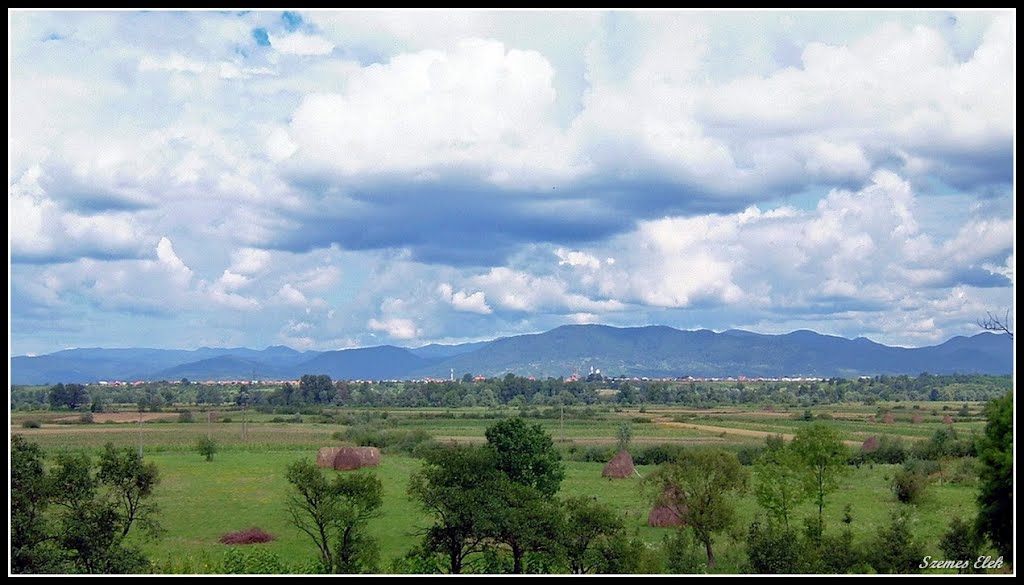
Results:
x,y
247,536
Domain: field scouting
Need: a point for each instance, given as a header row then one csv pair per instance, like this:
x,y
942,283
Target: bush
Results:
x,y
589,453
894,549
255,561
774,550
657,454
247,536
31,424
86,418
206,447
226,419
186,417
750,454
910,482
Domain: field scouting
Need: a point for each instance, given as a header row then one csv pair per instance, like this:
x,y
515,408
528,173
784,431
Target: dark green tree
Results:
x,y
95,512
32,548
589,531
701,482
895,548
995,455
526,454
775,549
207,447
961,542
456,488
523,519
335,515
69,396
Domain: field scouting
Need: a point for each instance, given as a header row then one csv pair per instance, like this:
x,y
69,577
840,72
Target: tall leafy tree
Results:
x,y
589,531
131,481
456,487
702,481
526,454
334,514
88,515
31,534
824,455
995,497
779,483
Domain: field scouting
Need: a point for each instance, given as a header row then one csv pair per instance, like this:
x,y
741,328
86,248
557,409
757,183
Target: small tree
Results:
x,y
701,481
779,483
625,435
207,447
131,482
961,542
824,457
334,514
588,530
894,549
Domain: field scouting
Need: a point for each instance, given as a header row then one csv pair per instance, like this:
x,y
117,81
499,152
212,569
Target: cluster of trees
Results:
x,y
75,515
320,390
496,505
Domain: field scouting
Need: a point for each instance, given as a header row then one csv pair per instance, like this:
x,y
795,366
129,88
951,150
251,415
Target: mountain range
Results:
x,y
654,351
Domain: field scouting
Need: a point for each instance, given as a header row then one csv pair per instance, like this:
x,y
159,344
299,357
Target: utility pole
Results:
x,y
140,433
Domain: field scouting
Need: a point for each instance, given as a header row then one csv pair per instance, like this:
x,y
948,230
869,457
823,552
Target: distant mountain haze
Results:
x,y
654,351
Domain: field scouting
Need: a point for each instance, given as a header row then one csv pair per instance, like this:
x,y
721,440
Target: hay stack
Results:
x,y
887,419
356,458
325,456
870,445
947,420
918,419
620,466
668,511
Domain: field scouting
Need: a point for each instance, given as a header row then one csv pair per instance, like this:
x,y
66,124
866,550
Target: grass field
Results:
x,y
245,486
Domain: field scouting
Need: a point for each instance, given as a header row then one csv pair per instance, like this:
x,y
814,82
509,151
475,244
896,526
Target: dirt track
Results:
x,y
735,431
122,417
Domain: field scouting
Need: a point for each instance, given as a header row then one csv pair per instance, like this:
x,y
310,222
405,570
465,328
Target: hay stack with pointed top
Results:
x,y
918,419
620,466
947,420
887,419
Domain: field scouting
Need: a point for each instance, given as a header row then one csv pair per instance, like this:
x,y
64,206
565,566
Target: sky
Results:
x,y
326,180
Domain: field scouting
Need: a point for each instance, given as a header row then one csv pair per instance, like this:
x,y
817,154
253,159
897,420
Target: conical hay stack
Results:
x,y
620,466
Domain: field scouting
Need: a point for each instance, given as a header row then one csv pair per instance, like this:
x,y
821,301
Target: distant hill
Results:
x,y
655,351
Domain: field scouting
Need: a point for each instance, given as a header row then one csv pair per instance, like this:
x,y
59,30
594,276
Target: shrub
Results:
x,y
256,561
247,536
909,483
656,454
206,447
186,417
774,550
894,548
86,418
31,424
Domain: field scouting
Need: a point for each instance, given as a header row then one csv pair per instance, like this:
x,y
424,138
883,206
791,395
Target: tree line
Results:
x,y
321,390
